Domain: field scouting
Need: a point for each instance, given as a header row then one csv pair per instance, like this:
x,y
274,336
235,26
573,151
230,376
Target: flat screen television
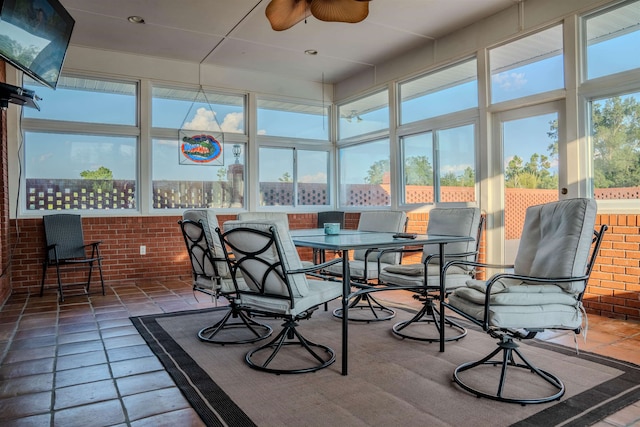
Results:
x,y
34,37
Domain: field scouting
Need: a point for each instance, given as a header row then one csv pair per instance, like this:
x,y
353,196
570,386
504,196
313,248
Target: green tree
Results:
x,y
418,171
376,172
285,177
616,142
102,179
533,174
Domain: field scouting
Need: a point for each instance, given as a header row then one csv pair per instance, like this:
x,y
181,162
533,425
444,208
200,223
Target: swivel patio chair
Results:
x,y
66,249
363,268
211,276
425,276
263,253
555,257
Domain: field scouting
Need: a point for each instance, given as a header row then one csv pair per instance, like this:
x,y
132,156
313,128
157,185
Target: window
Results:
x,y
527,66
293,177
86,100
612,38
439,166
445,91
293,120
615,144
363,116
364,174
92,164
188,121
189,109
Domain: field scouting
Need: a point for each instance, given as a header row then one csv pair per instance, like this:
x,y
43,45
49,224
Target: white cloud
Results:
x,y
510,81
206,120
320,178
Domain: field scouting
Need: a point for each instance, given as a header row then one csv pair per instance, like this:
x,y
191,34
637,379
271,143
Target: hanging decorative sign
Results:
x,y
201,148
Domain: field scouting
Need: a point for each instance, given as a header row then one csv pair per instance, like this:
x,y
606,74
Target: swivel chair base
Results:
x,y
289,336
427,316
226,332
367,302
509,349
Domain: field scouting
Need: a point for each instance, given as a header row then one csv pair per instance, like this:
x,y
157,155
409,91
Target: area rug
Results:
x,y
390,382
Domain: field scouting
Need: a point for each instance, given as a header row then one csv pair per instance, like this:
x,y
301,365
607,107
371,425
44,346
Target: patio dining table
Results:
x,y
347,240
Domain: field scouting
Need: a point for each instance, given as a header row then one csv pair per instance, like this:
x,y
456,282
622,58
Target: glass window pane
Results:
x,y
191,109
364,174
613,38
70,172
530,171
365,115
442,92
276,176
177,185
85,100
456,150
528,66
278,118
313,177
615,141
417,151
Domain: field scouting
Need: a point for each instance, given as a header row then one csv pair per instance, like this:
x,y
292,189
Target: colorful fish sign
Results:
x,y
200,149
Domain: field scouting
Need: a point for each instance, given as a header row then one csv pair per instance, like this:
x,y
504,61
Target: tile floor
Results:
x,y
82,363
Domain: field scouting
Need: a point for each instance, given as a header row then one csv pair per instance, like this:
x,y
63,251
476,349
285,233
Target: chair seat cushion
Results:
x,y
418,269
356,269
548,316
319,292
453,280
535,296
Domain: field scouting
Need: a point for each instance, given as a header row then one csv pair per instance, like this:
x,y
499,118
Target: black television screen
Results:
x,y
34,36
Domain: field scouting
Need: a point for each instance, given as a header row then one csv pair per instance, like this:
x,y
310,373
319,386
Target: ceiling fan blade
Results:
x,y
284,14
351,11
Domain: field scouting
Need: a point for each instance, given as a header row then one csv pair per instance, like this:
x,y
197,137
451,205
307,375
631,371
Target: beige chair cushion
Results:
x,y
306,293
555,243
269,216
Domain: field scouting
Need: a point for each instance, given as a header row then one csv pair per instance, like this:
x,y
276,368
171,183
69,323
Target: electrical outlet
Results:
x,y
143,250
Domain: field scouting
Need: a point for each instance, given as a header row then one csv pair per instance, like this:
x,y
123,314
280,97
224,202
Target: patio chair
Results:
x,y
270,216
66,249
263,253
425,276
555,257
211,276
336,217
364,266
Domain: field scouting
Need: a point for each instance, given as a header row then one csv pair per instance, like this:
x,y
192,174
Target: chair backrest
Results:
x,y
460,221
204,247
263,252
270,216
331,216
389,221
556,241
64,231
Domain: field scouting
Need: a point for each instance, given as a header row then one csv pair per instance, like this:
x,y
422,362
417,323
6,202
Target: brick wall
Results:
x,y
5,282
614,288
613,291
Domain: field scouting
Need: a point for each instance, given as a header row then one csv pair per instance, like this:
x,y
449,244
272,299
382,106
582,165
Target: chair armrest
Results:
x,y
315,267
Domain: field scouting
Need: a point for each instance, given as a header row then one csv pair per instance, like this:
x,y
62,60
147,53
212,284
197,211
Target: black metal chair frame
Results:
x,y
289,335
506,345
324,217
66,248
430,297
365,300
201,256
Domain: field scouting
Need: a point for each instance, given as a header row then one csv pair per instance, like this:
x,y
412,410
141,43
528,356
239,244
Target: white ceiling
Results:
x,y
236,33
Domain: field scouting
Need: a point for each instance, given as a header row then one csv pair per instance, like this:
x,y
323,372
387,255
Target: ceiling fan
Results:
x,y
284,14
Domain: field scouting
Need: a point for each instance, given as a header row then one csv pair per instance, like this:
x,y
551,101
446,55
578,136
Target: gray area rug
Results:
x,y
391,382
